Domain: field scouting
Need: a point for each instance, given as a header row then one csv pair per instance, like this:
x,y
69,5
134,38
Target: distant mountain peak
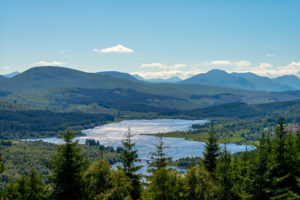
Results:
x,y
172,79
290,80
217,71
247,81
117,74
12,74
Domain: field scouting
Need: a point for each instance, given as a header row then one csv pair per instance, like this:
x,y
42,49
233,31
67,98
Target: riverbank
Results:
x,y
203,136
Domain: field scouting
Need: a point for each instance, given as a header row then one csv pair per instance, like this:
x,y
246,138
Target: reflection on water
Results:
x,y
112,134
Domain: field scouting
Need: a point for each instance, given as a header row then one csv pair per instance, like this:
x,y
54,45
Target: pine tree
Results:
x,y
68,166
29,187
260,185
128,159
211,152
158,158
224,174
22,188
1,164
283,173
36,188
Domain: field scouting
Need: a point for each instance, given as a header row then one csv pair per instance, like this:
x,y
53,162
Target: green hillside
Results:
x,y
53,88
18,121
44,78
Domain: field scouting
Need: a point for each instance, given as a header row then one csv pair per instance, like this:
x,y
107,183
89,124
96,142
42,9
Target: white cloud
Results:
x,y
158,70
114,49
270,55
267,69
219,62
162,66
265,66
6,67
45,63
242,63
168,74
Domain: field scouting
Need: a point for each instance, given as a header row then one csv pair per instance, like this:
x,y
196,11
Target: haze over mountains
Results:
x,y
220,78
121,95
48,86
248,81
12,74
136,77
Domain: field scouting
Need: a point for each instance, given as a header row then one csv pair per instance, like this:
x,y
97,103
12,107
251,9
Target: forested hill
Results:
x,y
20,121
44,78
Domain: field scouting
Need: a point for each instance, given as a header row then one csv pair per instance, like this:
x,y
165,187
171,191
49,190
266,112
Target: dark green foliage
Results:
x,y
31,187
224,175
42,123
21,157
187,162
211,152
128,160
158,158
1,164
271,171
165,184
284,165
68,167
199,184
97,178
121,99
261,182
94,143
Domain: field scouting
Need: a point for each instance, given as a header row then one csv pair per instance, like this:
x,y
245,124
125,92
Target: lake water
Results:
x,y
113,134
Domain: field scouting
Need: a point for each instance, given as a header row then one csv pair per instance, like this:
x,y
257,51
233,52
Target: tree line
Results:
x,y
271,171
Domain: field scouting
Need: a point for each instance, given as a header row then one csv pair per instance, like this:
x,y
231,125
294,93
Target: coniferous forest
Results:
x,y
149,100
270,171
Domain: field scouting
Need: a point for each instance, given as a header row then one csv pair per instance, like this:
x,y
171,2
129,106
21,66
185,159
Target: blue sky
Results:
x,y
155,38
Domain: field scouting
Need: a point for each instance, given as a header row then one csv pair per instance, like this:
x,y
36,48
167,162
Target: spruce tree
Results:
x,y
36,186
283,172
1,164
224,174
29,187
158,157
261,183
128,159
211,152
68,166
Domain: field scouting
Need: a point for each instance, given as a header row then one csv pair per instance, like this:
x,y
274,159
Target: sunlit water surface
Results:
x,y
113,134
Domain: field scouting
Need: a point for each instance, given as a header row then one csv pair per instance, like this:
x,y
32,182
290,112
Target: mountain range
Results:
x,y
220,78
247,81
136,77
65,88
215,77
173,79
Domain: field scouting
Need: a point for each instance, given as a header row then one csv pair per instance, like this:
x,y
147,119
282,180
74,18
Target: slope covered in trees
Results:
x,y
271,171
